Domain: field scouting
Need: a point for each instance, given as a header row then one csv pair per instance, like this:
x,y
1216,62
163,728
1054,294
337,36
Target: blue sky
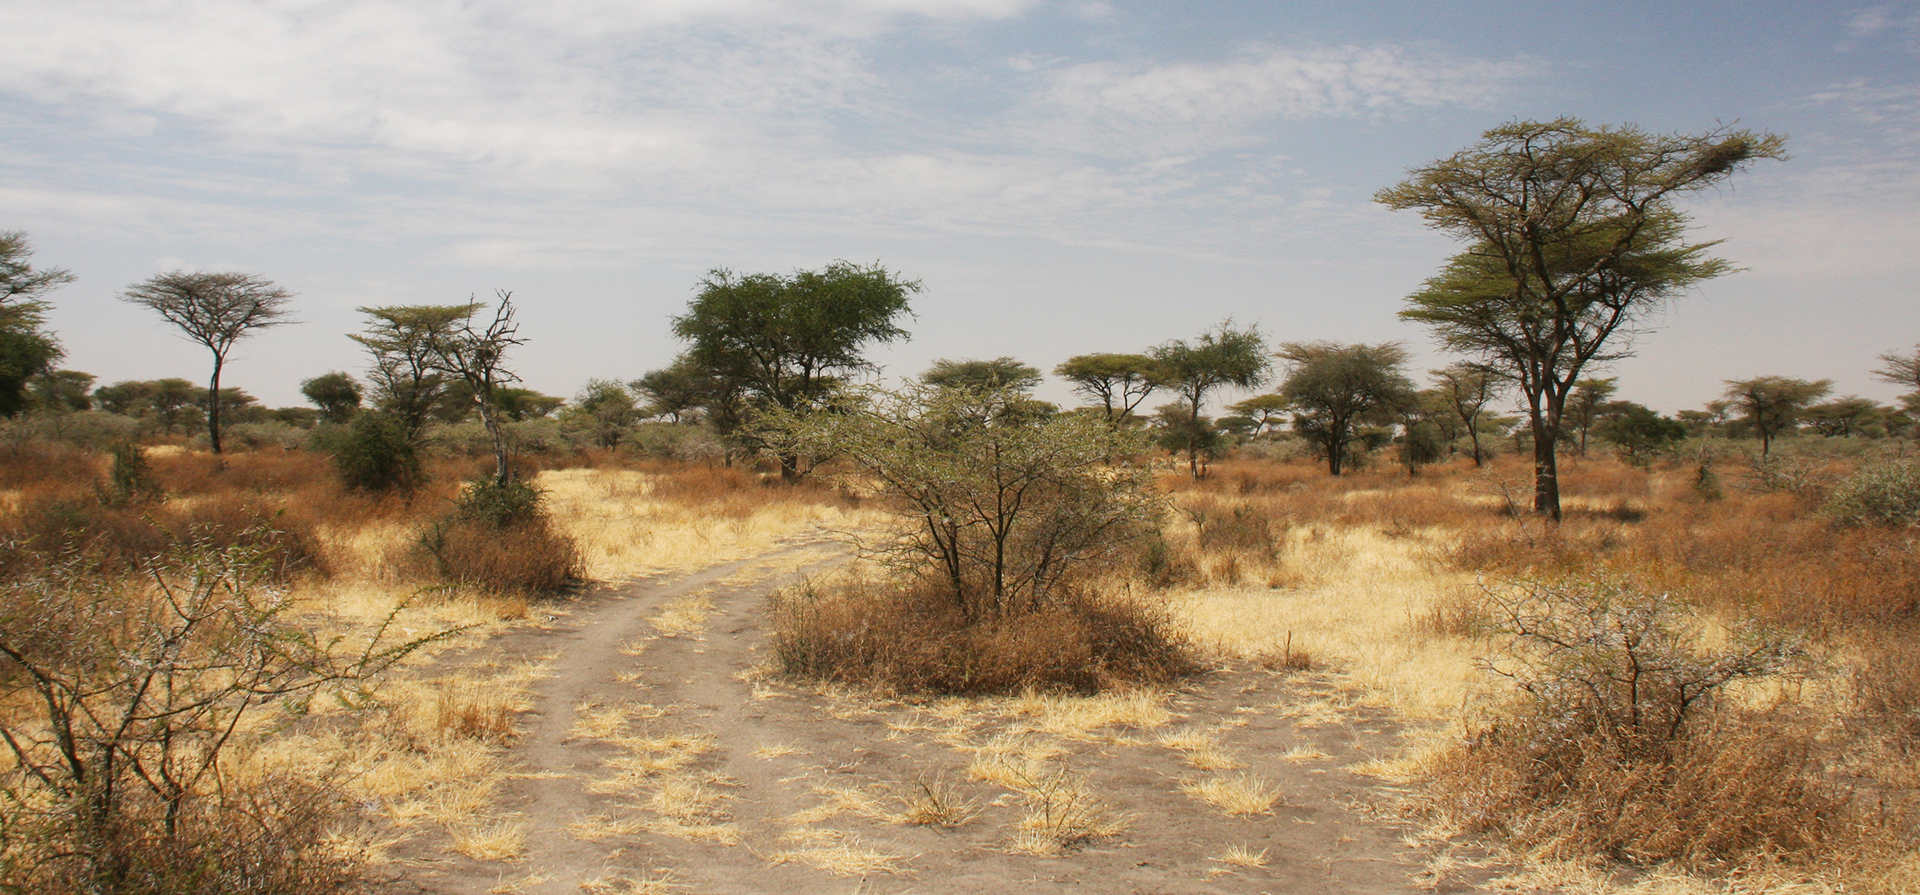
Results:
x,y
1063,177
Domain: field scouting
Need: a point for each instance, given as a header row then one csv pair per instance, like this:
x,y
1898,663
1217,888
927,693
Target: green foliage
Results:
x,y
1001,509
502,505
130,480
400,339
605,411
982,375
1639,433
1885,493
784,344
1120,382
1333,389
336,394
1573,241
375,454
1774,404
1224,357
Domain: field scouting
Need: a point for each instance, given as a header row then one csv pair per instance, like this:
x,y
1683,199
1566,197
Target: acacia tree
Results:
x,y
1263,412
1573,242
1772,404
786,343
477,358
1585,403
214,309
1332,388
1120,382
982,375
1222,357
404,380
1466,389
26,348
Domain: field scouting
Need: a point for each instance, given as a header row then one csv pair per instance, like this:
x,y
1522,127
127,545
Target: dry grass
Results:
x,y
1239,795
1242,856
631,523
845,857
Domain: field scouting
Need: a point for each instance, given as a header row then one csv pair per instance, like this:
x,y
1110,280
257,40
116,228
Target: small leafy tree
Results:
x,y
1333,388
336,394
1120,382
1639,433
605,410
1001,508
1224,357
1773,404
376,455
982,375
403,380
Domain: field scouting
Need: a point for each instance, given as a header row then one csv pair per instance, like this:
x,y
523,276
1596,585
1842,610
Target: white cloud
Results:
x,y
1204,102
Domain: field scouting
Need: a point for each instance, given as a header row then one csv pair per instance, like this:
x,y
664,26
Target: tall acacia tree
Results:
x,y
787,342
1573,242
1222,357
214,309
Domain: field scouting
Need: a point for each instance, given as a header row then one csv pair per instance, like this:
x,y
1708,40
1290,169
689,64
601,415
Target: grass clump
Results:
x,y
902,639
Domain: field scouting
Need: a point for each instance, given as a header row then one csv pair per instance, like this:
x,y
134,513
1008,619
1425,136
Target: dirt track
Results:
x,y
659,757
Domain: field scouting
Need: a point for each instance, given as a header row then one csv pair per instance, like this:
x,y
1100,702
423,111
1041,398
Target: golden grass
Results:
x,y
1241,856
1239,795
684,615
846,857
490,841
625,529
1361,596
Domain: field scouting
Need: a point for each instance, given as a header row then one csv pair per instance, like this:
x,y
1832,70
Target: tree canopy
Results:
x,y
1000,373
1120,382
215,309
1221,357
1773,404
26,348
786,341
1573,242
1332,388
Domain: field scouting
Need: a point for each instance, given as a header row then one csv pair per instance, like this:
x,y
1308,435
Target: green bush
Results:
x,y
1882,494
130,480
375,455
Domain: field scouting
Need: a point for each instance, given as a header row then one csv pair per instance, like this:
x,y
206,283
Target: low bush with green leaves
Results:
x,y
1885,494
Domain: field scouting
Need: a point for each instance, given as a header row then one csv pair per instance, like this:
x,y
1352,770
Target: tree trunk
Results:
x,y
213,406
1546,471
1473,432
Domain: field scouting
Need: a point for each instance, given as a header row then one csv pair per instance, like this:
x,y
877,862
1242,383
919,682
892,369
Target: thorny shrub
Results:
x,y
132,707
1623,743
1885,494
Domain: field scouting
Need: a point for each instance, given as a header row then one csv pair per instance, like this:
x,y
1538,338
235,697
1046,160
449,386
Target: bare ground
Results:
x,y
660,755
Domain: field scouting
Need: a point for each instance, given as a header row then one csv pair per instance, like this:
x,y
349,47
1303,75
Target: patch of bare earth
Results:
x,y
659,756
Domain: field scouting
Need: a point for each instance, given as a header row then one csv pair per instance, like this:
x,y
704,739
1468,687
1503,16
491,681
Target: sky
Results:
x,y
1061,176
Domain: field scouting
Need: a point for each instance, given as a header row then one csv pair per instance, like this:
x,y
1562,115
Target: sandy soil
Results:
x,y
661,756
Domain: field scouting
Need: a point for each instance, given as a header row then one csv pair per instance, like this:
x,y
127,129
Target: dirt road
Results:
x,y
660,756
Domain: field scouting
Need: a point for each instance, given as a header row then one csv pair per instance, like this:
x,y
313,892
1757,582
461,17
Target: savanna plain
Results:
x,y
235,674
